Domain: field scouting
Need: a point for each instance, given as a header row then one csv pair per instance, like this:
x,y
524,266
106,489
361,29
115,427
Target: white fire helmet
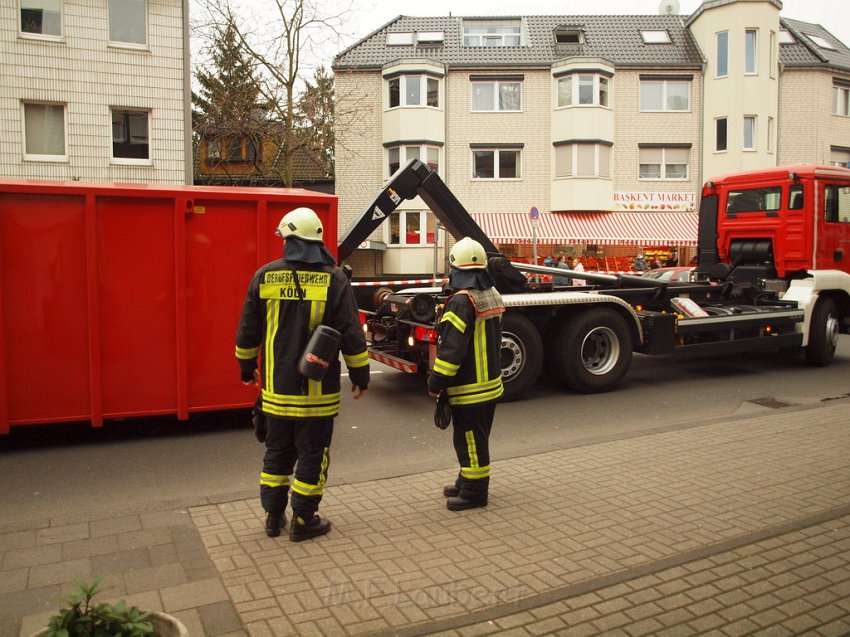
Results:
x,y
468,254
301,222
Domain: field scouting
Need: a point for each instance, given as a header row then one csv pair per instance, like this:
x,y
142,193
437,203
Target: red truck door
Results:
x,y
832,212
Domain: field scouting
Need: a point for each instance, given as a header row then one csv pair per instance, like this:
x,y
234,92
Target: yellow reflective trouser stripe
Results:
x,y
292,406
445,368
307,489
272,320
356,360
481,397
473,471
475,387
455,320
272,480
247,353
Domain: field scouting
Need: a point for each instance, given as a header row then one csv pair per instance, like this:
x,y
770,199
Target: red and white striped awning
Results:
x,y
600,228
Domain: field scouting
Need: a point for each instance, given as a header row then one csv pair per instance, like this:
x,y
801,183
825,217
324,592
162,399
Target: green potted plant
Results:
x,y
83,618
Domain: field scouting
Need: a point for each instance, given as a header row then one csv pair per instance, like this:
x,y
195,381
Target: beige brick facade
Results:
x,y
88,75
807,125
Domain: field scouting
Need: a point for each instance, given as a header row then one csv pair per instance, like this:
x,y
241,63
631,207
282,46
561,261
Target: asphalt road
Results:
x,y
57,469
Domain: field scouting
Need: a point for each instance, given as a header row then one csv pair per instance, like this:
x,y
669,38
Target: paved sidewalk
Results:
x,y
727,527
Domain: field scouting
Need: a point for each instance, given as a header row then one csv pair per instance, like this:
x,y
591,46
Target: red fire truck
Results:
x,y
773,274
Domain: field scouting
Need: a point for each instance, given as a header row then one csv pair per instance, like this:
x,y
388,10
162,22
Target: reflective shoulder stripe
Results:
x,y
247,353
356,360
455,320
445,368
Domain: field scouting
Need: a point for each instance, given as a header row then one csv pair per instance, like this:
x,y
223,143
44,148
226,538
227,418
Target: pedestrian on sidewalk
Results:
x,y
468,368
286,300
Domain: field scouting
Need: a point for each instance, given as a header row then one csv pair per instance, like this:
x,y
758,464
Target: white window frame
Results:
x,y
41,156
717,121
770,127
424,80
130,161
664,96
841,100
402,215
839,157
820,41
126,43
572,148
749,127
773,55
497,84
655,36
751,52
492,33
400,38
406,152
717,51
574,82
41,35
662,167
497,151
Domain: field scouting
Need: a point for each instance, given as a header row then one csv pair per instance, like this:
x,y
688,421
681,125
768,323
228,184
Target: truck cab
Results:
x,y
778,223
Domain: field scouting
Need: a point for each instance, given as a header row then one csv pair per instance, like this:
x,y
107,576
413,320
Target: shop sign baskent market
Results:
x,y
655,200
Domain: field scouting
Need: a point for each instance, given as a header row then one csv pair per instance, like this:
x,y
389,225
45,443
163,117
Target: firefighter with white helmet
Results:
x,y
287,300
468,369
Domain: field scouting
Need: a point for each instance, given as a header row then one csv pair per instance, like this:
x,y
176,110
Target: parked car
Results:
x,y
678,273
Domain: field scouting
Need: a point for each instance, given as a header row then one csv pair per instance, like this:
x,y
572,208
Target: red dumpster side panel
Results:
x,y
123,300
44,317
136,252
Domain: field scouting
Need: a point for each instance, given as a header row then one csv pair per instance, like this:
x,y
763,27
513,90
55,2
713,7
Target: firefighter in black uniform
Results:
x,y
286,300
468,369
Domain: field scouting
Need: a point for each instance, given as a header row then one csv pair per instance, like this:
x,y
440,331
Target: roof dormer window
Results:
x,y
399,39
785,37
820,41
569,35
492,32
430,37
660,36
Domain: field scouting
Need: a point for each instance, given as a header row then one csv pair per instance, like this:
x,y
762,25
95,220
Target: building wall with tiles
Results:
x,y
89,75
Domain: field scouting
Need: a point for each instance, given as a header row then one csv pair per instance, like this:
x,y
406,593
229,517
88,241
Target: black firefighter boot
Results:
x,y
471,495
452,490
274,523
304,527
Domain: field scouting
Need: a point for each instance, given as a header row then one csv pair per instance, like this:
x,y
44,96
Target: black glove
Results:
x,y
246,369
443,413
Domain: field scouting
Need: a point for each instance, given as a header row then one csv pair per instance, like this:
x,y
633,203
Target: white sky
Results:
x,y
834,15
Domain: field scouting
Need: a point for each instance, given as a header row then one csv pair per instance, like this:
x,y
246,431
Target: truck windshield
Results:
x,y
754,199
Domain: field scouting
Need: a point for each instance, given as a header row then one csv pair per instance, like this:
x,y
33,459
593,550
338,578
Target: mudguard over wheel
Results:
x,y
823,333
522,355
593,350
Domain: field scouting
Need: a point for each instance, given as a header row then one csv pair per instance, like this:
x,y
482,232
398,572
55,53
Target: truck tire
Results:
x,y
823,334
522,355
593,351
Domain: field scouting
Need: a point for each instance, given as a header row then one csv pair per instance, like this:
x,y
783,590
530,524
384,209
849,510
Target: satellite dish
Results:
x,y
668,7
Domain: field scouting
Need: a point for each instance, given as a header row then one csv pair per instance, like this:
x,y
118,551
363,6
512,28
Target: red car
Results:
x,y
670,274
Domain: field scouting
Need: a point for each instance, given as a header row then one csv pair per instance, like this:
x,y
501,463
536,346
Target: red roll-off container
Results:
x,y
120,300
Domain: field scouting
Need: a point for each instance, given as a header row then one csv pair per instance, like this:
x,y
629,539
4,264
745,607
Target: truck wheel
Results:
x,y
593,351
823,334
522,355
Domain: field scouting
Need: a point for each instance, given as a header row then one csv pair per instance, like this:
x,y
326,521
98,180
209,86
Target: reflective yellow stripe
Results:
x,y
471,399
323,471
455,320
356,360
475,387
297,399
475,474
272,480
293,411
272,321
296,406
471,450
444,367
307,489
247,353
480,351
